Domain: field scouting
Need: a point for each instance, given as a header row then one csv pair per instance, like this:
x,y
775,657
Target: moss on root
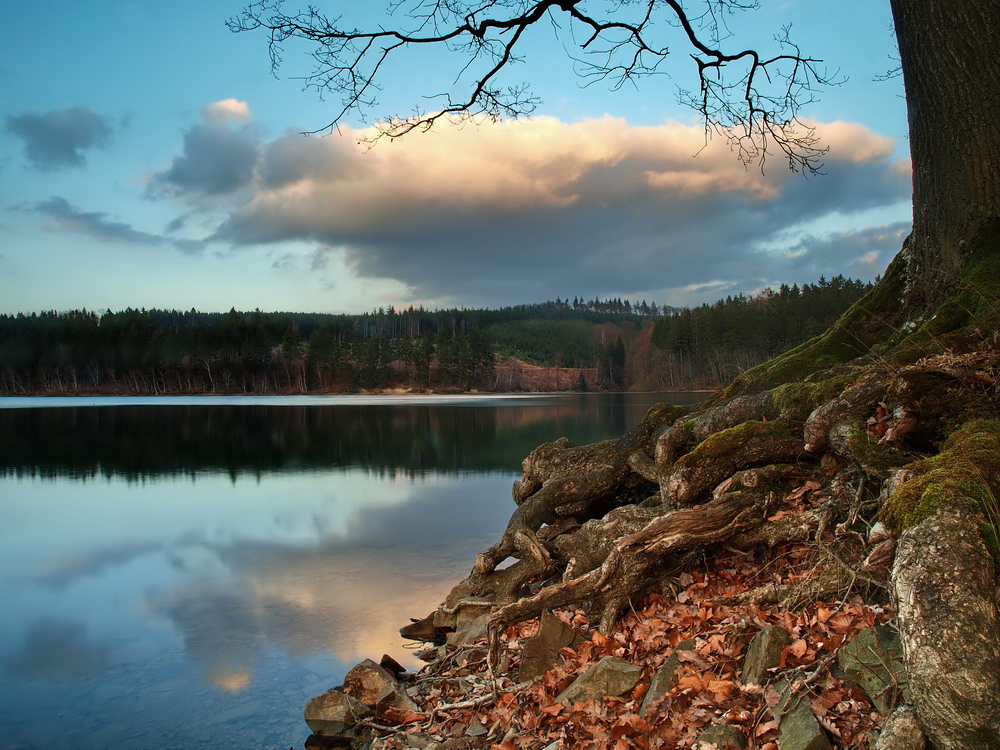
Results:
x,y
872,456
726,442
876,330
966,471
802,397
873,318
664,414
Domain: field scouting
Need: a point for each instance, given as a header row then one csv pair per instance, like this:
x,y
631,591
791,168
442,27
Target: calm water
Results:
x,y
184,573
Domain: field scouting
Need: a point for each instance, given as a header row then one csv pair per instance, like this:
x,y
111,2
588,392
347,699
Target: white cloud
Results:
x,y
227,109
506,212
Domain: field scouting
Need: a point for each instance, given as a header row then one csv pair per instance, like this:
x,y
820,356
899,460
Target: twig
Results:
x,y
483,700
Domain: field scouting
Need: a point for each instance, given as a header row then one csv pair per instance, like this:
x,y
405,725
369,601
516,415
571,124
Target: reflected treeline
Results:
x,y
151,441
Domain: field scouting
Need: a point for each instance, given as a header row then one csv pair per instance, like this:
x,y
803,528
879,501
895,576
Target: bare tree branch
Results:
x,y
750,99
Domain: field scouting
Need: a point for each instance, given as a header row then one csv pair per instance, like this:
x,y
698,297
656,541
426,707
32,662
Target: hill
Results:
x,y
594,345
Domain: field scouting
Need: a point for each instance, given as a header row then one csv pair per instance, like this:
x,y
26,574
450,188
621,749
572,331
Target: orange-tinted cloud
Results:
x,y
500,213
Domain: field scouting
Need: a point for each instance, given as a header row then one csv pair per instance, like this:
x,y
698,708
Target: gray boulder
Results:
x,y
665,677
469,631
541,652
376,688
722,737
873,660
334,713
798,726
611,676
764,653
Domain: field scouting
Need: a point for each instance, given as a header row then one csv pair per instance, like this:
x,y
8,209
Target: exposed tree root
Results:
x,y
635,557
598,526
562,481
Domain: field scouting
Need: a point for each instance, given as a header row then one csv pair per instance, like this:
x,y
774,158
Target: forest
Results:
x,y
583,345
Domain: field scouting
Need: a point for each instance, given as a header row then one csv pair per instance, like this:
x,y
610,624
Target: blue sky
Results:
x,y
149,158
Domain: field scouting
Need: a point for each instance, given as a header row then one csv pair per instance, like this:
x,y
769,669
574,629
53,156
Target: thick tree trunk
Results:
x,y
948,53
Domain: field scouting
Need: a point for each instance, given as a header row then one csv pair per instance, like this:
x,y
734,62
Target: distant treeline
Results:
x,y
709,345
611,344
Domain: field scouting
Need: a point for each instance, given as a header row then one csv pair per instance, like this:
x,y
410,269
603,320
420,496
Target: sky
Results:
x,y
149,158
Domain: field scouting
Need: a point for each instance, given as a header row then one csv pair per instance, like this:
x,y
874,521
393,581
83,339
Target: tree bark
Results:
x,y
950,631
950,66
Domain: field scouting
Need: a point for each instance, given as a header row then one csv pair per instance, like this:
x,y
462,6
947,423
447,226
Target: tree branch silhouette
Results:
x,y
750,99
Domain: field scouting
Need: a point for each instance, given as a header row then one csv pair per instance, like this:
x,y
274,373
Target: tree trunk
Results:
x,y
950,64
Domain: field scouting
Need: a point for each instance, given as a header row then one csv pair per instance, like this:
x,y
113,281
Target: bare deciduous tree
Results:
x,y
750,98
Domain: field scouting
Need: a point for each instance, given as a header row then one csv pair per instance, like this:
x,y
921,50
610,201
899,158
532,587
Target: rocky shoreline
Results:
x,y
701,668
804,567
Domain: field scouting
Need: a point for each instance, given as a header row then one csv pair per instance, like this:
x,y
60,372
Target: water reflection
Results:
x,y
188,579
142,441
57,651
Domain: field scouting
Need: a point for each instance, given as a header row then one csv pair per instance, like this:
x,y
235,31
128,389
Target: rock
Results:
x,y
722,737
426,742
469,631
365,680
901,731
472,608
373,686
611,676
467,608
430,654
799,728
418,740
764,653
476,728
873,660
392,666
333,713
420,630
541,652
319,742
665,677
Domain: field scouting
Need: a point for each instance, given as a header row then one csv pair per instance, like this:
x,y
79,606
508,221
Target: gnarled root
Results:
x,y
723,454
561,481
634,556
699,425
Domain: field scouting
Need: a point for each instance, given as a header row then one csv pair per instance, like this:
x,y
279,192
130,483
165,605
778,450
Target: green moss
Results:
x,y
725,442
689,429
664,414
804,396
872,456
643,436
873,319
974,307
967,470
989,534
875,329
798,396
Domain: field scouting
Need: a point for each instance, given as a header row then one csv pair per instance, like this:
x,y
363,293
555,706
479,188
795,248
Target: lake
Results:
x,y
187,572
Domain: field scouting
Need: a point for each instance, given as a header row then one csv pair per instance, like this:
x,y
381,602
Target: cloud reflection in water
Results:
x,y
57,650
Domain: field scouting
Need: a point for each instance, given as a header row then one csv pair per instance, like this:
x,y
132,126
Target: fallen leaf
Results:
x,y
766,727
797,648
395,716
